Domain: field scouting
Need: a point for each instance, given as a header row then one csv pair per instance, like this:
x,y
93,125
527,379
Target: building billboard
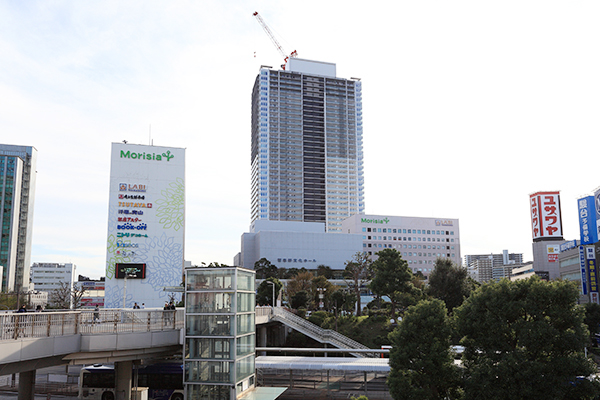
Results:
x,y
145,224
590,255
586,210
546,220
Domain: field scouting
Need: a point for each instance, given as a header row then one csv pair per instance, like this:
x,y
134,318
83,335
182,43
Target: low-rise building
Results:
x,y
47,277
296,245
420,240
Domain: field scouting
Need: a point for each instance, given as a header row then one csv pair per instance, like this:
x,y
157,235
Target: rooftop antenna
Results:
x,y
150,134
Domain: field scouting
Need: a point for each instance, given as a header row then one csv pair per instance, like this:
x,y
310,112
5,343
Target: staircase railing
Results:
x,y
316,332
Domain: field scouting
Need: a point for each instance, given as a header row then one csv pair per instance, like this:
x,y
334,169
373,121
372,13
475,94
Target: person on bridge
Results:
x,y
96,314
22,309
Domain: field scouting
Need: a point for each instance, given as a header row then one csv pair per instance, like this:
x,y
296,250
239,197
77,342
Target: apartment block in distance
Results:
x,y
306,151
420,240
17,192
47,277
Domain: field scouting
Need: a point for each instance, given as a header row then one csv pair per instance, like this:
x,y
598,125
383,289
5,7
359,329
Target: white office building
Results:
x,y
146,224
420,240
47,277
306,152
296,245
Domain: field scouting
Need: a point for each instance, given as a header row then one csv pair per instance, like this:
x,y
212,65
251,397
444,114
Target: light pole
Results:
x,y
272,283
321,295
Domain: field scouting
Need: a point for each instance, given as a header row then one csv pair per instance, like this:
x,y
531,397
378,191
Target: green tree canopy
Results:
x,y
592,318
421,361
525,340
392,278
264,269
300,299
264,293
324,270
302,281
357,274
449,283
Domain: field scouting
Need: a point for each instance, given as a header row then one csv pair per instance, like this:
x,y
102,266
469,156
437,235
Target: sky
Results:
x,y
468,107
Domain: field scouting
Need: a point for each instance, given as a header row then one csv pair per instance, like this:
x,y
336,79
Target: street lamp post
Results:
x,y
272,283
321,295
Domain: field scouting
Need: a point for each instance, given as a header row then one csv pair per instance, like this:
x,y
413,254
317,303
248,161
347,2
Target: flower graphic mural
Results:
x,y
171,205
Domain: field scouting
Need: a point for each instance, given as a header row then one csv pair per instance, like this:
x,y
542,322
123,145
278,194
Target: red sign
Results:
x,y
552,257
545,215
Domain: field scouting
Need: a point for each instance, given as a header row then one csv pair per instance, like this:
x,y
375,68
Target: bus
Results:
x,y
164,381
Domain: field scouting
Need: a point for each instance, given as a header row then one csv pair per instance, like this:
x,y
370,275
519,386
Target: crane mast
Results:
x,y
274,40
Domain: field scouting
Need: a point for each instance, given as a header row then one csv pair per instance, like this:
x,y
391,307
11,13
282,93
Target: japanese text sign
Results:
x,y
587,220
590,255
545,215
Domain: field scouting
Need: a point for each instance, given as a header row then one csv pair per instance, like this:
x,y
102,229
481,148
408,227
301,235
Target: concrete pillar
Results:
x,y
123,380
26,385
263,339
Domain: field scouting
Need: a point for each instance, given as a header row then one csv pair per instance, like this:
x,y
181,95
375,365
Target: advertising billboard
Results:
x,y
586,210
146,224
546,220
590,255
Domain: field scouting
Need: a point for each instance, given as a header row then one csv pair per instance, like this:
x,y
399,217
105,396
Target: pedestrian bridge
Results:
x,y
29,341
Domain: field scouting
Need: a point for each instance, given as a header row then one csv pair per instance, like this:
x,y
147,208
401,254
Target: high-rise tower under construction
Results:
x,y
307,158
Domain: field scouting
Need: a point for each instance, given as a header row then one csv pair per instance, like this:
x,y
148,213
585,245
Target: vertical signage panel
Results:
x,y
586,211
546,219
584,289
145,224
590,255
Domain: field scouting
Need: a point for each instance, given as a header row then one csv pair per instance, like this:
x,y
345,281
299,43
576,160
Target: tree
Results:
x,y
66,297
264,269
324,270
392,278
421,361
525,340
302,281
343,300
357,274
449,283
592,318
299,300
264,293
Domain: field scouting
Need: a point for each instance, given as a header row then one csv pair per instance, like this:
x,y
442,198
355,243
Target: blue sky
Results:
x,y
469,107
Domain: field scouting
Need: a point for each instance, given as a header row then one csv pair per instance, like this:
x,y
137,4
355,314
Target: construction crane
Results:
x,y
275,42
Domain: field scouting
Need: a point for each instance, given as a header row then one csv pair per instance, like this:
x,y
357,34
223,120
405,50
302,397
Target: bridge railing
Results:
x,y
87,322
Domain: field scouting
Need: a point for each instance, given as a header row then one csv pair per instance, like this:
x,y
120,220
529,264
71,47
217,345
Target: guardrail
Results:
x,y
87,322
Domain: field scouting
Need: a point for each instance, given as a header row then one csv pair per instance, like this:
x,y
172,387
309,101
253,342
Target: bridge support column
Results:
x,y
123,380
263,339
26,385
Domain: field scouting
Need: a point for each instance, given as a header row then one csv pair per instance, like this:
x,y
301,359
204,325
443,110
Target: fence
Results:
x,y
45,324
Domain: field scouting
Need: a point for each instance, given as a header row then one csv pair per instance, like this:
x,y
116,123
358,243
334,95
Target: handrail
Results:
x,y
87,322
326,335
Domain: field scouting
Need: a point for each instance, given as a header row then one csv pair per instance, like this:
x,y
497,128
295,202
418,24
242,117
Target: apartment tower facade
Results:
x,y
306,153
17,191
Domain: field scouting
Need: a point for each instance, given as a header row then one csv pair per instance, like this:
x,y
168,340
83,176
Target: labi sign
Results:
x,y
147,156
